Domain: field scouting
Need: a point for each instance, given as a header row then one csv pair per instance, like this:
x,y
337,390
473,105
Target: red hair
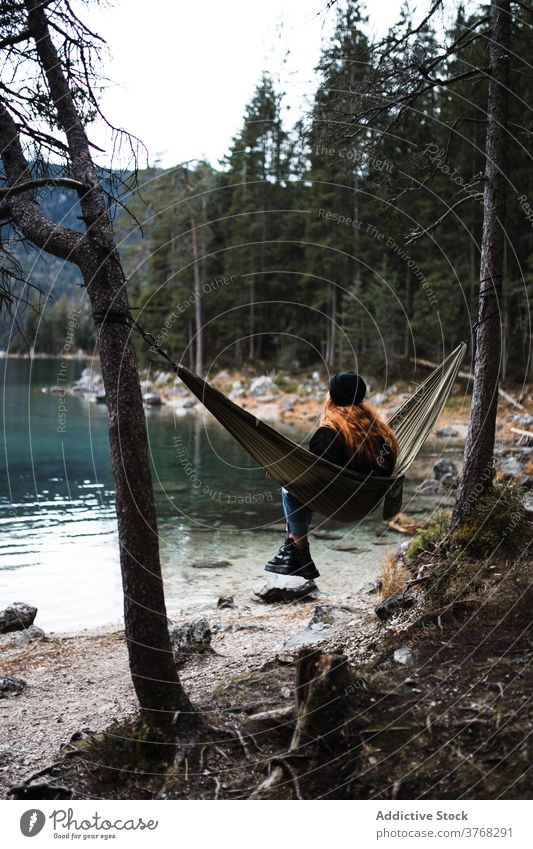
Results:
x,y
360,426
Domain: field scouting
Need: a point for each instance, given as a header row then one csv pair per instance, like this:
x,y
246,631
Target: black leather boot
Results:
x,y
290,560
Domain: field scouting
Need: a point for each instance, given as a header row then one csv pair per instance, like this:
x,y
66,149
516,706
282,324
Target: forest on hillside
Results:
x,y
317,243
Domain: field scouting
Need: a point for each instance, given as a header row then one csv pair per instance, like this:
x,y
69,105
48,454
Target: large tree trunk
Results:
x,y
153,671
479,448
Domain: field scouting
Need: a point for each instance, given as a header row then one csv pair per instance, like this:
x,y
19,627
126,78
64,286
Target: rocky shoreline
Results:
x,y
55,686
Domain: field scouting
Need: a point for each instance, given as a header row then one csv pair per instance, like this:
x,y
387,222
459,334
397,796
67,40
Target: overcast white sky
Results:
x,y
183,71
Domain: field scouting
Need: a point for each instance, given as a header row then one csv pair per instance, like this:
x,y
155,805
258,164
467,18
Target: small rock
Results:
x,y
10,686
315,377
446,432
221,629
236,393
163,378
393,605
248,626
445,467
263,386
324,614
152,399
209,564
523,419
284,588
344,546
392,390
189,403
190,638
6,757
237,384
403,655
285,693
326,535
285,657
401,550
89,382
370,587
225,601
510,467
308,637
289,403
17,617
33,634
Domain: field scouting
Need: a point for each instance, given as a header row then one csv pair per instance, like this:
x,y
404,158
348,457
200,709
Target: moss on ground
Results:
x,y
498,522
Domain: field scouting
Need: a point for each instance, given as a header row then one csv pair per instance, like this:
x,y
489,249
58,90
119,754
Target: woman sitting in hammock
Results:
x,y
352,435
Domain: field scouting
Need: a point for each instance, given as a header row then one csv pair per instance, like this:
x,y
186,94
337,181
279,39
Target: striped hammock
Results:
x,y
331,490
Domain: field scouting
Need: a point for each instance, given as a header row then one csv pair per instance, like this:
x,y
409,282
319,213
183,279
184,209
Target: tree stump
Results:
x,y
322,684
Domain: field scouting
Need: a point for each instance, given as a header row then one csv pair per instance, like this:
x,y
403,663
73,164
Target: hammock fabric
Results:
x,y
331,490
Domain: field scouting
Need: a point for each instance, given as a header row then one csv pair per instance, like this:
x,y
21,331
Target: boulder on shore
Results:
x,y
152,399
263,385
190,638
284,588
17,617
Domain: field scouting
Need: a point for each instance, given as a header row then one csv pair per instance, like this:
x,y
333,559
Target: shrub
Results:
x,y
394,576
429,538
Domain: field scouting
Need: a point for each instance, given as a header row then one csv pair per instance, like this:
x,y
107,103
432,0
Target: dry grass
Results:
x,y
394,575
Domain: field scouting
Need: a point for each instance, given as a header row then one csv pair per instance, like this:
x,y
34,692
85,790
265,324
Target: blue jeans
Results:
x,y
297,515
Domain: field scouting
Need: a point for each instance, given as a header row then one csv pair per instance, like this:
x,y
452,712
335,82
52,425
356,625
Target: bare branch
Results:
x,y
30,185
35,226
418,232
14,39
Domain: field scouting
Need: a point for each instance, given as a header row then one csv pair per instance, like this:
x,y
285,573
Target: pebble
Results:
x,y
403,655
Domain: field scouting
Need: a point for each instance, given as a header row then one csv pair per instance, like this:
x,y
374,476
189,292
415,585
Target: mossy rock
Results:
x,y
498,522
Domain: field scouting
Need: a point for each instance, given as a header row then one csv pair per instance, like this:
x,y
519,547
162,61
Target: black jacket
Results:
x,y
330,445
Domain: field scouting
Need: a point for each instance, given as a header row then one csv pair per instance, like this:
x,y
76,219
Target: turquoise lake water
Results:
x,y
59,547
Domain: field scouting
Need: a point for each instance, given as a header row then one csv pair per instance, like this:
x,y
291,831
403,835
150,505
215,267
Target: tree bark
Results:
x,y
478,457
153,671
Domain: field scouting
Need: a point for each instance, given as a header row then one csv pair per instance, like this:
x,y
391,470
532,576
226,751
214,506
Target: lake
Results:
x,y
59,549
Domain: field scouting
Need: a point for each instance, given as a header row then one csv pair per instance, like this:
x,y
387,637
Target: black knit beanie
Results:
x,y
346,388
